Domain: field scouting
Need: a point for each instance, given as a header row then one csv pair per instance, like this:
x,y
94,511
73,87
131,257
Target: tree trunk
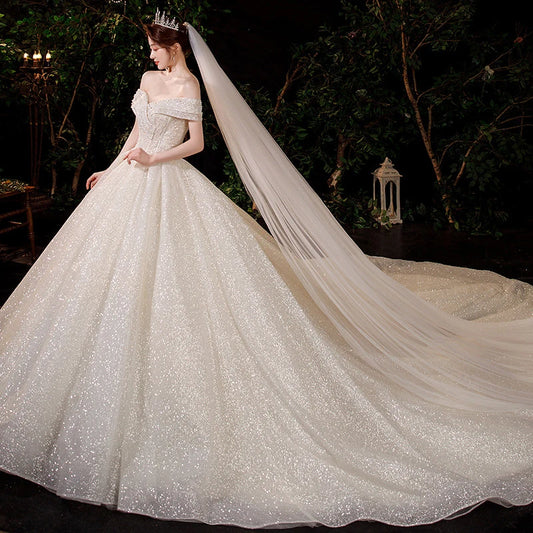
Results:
x,y
424,132
77,174
88,138
54,179
342,144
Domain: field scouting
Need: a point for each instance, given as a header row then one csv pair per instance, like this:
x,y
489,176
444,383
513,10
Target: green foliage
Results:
x,y
98,56
357,211
420,212
235,190
469,108
63,201
389,75
341,96
470,90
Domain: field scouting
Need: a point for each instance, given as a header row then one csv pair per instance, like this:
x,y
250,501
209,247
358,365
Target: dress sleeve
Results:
x,y
137,99
185,108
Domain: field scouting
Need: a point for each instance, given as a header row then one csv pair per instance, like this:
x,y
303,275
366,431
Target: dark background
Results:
x,y
254,44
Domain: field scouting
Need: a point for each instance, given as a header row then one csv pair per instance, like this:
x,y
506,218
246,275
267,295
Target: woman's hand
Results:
x,y
93,179
139,155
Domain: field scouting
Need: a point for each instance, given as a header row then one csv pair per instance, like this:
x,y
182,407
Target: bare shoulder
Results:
x,y
149,79
157,84
191,87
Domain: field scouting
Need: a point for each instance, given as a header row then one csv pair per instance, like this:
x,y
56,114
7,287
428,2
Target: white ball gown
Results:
x,y
161,357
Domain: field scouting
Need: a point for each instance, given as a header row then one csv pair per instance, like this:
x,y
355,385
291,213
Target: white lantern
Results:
x,y
389,191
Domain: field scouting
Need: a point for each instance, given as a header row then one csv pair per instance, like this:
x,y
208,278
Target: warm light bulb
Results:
x,y
26,55
39,56
35,56
48,56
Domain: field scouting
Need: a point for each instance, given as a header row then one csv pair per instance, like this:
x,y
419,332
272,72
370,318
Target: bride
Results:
x,y
167,356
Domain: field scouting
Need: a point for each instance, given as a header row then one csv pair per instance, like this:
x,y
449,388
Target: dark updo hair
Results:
x,y
166,37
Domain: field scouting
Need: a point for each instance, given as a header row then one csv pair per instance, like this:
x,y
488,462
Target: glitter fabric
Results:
x,y
161,357
414,345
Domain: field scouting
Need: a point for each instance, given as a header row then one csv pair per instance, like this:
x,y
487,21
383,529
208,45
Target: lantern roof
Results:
x,y
386,170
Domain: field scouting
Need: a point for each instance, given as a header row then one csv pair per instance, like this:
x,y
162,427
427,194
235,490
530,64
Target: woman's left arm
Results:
x,y
191,146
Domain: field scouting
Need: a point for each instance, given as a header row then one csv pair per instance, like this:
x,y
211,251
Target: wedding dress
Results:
x,y
164,357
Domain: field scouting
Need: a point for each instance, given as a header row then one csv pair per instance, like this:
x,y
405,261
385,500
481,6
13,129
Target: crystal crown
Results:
x,y
162,20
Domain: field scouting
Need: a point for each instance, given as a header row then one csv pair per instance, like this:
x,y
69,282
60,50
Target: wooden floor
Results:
x,y
27,508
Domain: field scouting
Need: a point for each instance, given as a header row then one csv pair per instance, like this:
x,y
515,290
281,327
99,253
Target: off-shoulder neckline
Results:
x,y
166,99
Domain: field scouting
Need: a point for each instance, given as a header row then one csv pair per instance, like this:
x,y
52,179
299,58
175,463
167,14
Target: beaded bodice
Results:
x,y
163,123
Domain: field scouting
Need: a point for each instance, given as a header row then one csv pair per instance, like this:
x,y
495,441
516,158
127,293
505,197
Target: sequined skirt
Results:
x,y
161,358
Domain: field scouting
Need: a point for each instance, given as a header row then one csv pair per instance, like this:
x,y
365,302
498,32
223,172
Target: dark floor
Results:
x,y
26,507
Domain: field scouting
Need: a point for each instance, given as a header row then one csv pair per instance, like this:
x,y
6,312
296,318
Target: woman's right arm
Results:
x,y
130,143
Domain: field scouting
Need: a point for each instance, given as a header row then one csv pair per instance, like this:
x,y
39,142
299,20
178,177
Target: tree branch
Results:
x,y
76,87
422,41
380,11
290,78
518,126
481,72
482,134
430,122
426,139
446,148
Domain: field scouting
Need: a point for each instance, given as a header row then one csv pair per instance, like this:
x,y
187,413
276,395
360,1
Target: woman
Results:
x,y
168,50
166,356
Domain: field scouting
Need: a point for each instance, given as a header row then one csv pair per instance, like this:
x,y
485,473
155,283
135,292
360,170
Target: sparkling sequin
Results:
x,y
161,357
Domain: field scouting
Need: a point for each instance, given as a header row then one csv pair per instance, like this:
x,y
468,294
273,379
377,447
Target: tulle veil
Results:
x,y
428,353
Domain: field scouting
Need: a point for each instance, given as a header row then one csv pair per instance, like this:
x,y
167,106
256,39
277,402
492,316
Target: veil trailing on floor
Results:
x,y
428,353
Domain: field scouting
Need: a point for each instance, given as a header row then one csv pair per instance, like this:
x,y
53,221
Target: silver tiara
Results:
x,y
162,20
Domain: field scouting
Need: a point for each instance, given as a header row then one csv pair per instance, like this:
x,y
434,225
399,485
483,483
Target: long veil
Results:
x,y
428,353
